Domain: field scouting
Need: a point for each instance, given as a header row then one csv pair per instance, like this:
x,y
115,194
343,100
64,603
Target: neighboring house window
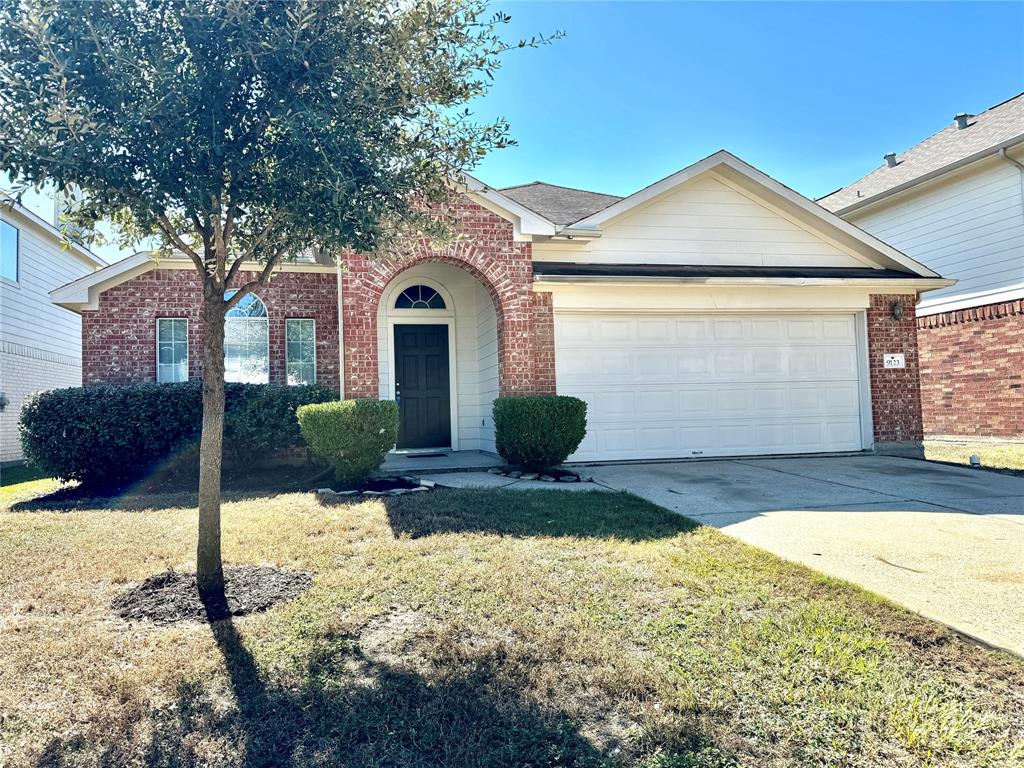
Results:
x,y
8,252
246,341
300,351
171,350
419,297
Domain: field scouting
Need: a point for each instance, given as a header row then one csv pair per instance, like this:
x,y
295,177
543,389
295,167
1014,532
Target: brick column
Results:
x,y
895,392
543,344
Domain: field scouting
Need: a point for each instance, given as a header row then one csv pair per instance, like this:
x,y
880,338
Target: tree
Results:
x,y
244,132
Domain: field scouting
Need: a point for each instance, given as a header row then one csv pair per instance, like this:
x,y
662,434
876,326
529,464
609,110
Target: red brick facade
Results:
x,y
895,392
972,371
488,251
544,343
119,340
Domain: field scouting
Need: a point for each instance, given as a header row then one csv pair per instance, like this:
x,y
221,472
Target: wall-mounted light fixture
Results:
x,y
897,310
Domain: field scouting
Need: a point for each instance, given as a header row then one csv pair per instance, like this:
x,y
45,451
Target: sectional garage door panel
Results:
x,y
665,386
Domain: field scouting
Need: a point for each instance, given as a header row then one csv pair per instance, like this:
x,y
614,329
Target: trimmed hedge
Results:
x,y
539,432
353,436
109,436
259,419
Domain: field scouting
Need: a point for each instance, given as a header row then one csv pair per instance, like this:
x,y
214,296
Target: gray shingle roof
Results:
x,y
989,129
559,205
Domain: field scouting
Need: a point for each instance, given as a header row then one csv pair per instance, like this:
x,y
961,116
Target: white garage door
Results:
x,y
667,386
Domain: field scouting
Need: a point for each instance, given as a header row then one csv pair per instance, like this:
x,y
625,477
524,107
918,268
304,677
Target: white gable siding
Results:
x,y
702,222
40,342
968,226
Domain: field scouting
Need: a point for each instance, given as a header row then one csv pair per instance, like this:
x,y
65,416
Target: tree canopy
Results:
x,y
253,127
241,131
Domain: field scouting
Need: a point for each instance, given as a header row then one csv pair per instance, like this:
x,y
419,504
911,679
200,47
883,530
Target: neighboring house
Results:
x,y
40,344
955,202
714,313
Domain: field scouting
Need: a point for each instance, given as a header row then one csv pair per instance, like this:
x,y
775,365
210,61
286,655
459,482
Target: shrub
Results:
x,y
259,419
352,436
539,432
108,436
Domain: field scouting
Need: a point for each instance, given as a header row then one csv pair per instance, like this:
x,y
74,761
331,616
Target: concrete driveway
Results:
x,y
946,542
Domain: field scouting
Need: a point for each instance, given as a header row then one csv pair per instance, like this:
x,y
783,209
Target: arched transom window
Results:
x,y
246,341
419,297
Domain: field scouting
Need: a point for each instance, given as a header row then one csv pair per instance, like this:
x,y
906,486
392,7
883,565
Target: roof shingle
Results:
x,y
559,205
993,127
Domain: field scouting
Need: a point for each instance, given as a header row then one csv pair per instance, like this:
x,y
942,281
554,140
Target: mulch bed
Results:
x,y
384,484
171,596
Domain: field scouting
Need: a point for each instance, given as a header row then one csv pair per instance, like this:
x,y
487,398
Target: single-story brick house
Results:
x,y
713,313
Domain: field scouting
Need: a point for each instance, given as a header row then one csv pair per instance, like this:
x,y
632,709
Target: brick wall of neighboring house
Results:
x,y
119,339
895,392
488,251
972,371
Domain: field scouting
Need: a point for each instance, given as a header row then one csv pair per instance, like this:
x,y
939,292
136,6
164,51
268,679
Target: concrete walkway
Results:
x,y
438,461
477,479
946,542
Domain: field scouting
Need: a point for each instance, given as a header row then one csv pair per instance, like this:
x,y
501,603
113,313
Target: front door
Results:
x,y
422,386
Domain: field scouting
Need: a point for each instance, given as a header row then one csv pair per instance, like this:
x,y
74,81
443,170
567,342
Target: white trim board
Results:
x,y
453,392
942,304
83,294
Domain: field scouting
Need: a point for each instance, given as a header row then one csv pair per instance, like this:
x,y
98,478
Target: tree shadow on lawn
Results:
x,y
533,513
178,490
354,710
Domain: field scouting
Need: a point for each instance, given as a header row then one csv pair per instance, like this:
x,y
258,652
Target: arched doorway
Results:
x,y
438,358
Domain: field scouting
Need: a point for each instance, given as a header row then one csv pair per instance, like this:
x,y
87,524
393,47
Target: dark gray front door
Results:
x,y
422,386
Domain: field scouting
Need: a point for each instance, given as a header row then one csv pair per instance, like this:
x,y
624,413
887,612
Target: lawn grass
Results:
x,y
20,482
1002,455
476,628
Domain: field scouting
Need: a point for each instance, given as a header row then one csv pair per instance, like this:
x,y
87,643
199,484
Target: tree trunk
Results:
x,y
209,568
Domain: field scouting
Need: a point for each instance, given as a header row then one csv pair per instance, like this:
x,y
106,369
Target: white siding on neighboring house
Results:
x,y
967,225
40,342
705,222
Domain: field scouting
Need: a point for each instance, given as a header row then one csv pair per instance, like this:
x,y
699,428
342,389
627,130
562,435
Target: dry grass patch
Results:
x,y
1001,455
476,628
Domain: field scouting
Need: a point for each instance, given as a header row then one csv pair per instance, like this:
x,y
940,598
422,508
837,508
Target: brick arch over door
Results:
x,y
503,266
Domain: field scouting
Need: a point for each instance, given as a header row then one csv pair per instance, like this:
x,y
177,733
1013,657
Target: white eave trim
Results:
x,y
866,202
724,158
959,301
919,285
83,294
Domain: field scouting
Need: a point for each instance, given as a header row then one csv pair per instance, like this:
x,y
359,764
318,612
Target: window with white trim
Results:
x,y
171,350
8,251
300,350
247,341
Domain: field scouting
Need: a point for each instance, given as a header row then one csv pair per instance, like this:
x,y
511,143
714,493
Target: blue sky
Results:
x,y
812,93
